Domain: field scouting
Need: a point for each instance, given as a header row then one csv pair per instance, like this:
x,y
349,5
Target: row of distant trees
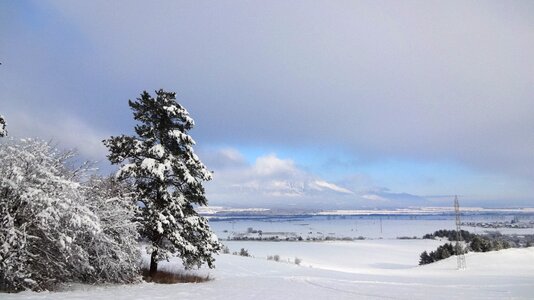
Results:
x,y
473,242
60,222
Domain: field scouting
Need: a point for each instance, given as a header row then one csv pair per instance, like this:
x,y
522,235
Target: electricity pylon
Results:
x,y
459,249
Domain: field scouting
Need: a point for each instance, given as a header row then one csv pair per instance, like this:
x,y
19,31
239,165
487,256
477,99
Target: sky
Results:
x,y
298,104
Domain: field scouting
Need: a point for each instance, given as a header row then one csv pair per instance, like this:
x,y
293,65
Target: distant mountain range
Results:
x,y
228,211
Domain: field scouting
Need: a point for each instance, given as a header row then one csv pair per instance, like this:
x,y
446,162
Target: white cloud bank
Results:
x,y
274,182
270,181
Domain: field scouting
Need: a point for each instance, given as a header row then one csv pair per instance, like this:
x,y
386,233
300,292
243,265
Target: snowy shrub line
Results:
x,y
473,242
54,227
275,257
242,252
451,235
225,249
297,261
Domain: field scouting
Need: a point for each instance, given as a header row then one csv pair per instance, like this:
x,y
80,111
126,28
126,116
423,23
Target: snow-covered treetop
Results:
x,y
162,149
153,111
3,130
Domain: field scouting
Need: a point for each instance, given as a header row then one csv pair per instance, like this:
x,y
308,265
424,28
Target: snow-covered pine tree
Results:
x,y
3,130
167,176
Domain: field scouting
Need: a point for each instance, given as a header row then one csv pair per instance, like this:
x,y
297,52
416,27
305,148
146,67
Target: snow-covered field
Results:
x,y
369,269
354,257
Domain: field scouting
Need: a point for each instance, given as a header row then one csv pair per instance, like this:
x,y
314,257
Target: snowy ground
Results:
x,y
369,269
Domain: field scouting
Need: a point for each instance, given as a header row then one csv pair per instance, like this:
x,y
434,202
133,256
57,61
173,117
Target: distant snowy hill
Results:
x,y
220,210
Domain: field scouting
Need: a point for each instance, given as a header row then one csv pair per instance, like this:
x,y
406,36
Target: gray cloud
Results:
x,y
222,159
425,81
67,131
445,81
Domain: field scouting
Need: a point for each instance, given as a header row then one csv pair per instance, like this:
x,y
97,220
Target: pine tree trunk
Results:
x,y
153,263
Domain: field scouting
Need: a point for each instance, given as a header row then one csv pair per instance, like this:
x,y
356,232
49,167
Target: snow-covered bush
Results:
x,y
274,257
167,177
3,130
243,252
114,252
43,222
56,228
